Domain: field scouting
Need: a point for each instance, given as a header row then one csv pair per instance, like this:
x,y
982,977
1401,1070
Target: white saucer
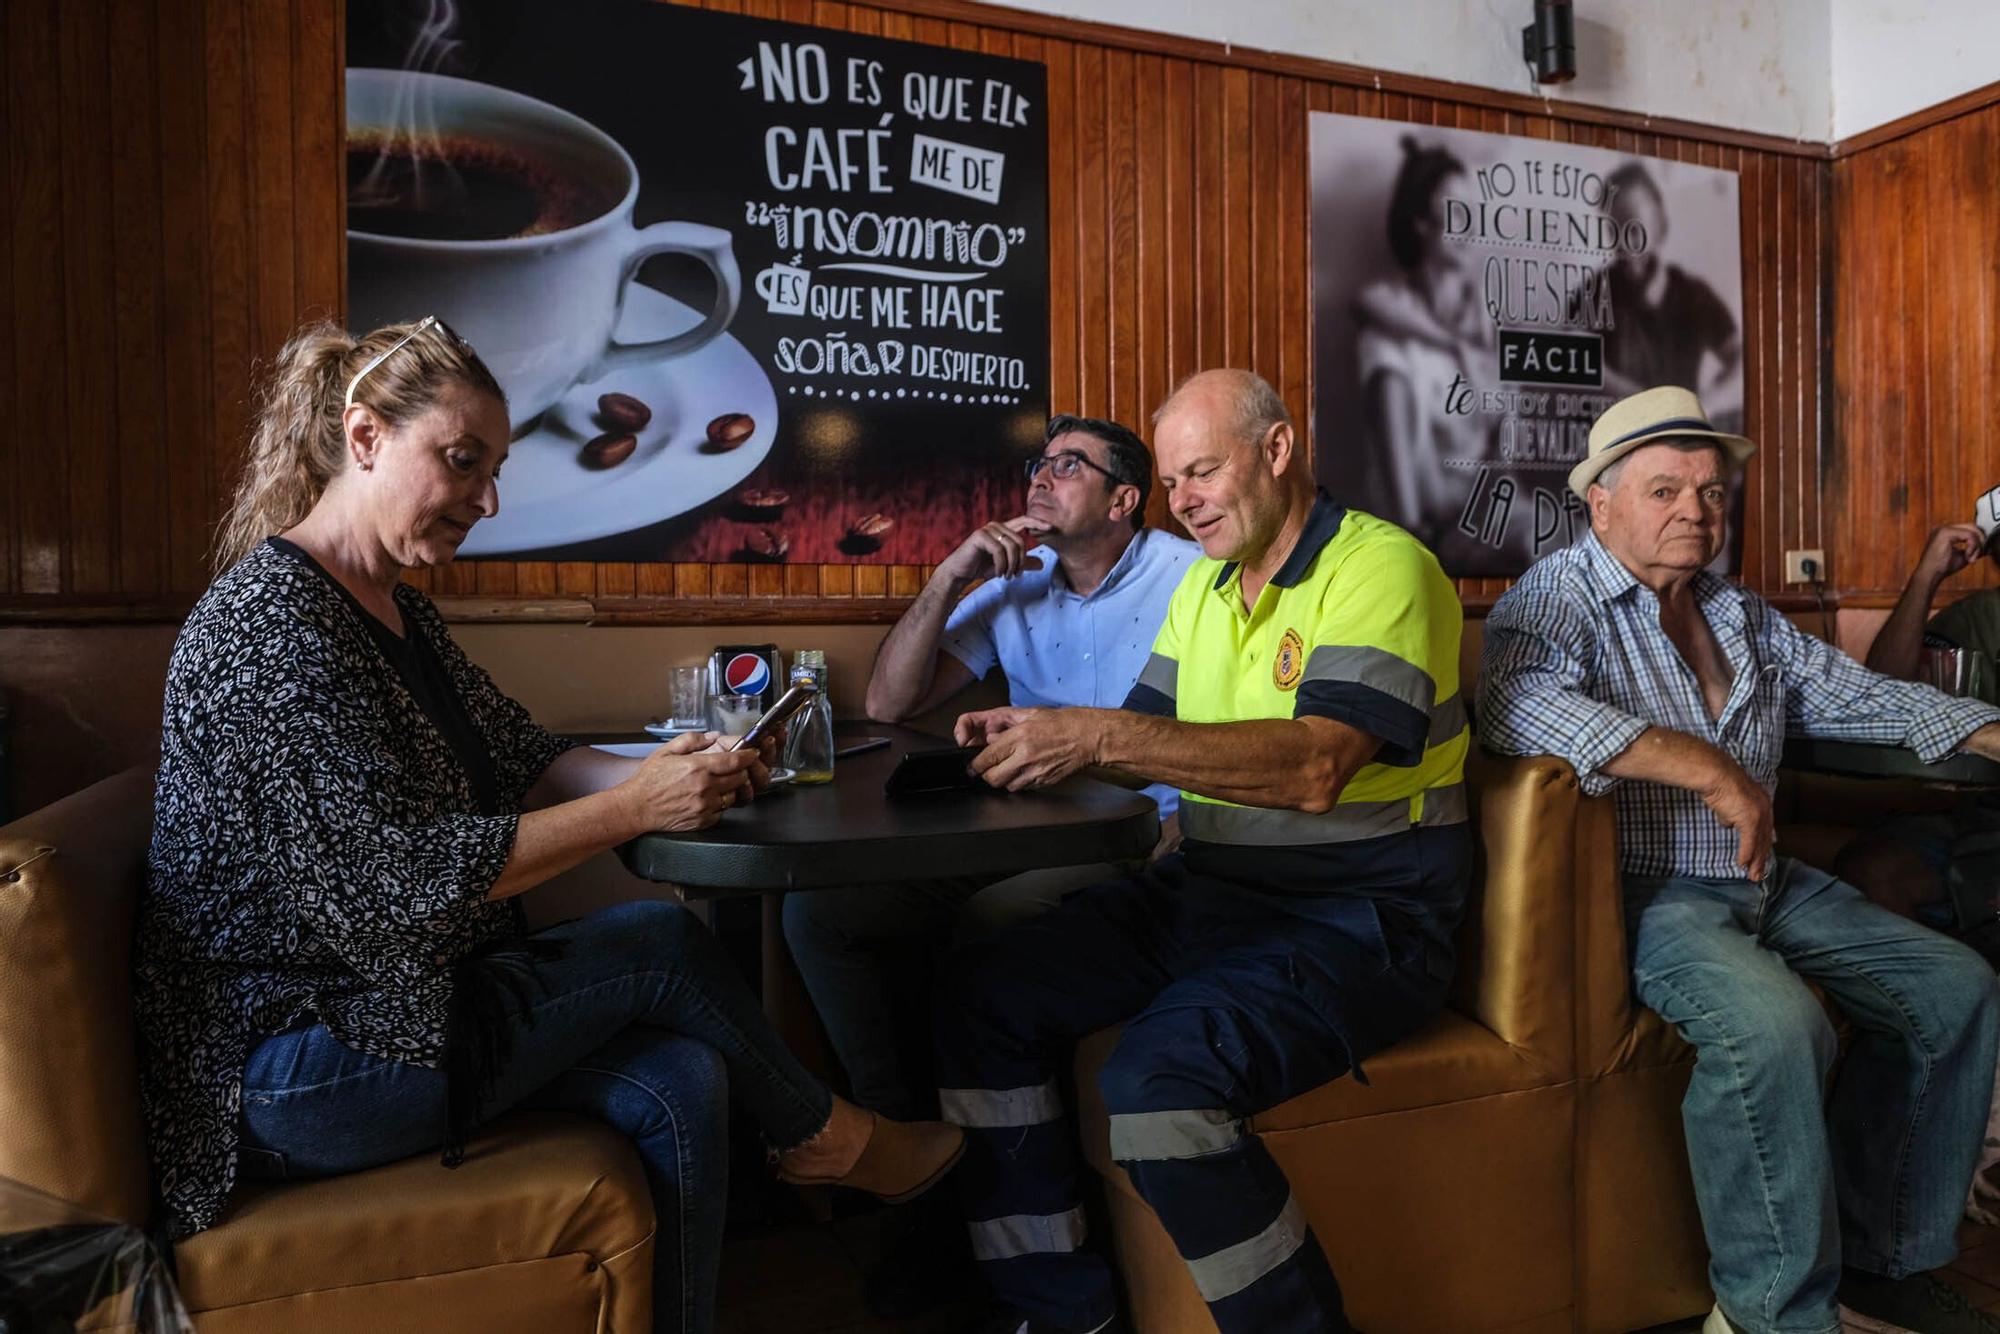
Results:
x,y
782,775
667,733
548,498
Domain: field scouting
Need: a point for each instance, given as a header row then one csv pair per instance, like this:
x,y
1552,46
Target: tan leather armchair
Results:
x,y
1445,1189
548,1225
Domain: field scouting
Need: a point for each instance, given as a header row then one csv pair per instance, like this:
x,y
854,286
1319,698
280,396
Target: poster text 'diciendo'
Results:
x,y
756,291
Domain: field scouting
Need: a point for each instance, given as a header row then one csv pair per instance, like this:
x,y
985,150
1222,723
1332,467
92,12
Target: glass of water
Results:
x,y
687,699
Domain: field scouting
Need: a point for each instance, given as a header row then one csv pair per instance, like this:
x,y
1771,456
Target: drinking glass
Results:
x,y
736,714
1946,669
687,699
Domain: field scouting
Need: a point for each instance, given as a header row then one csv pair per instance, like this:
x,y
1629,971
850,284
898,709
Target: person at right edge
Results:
x,y
1673,689
1940,867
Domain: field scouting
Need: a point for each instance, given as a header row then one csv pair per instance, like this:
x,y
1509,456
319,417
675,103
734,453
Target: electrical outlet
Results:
x,y
1795,566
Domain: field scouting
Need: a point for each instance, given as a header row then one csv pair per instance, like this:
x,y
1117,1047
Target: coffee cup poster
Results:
x,y
756,291
1478,300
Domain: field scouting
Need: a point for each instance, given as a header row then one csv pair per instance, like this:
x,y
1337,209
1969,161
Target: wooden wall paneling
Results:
x,y
1293,213
836,581
1852,354
691,580
1916,200
1800,459
1092,248
1233,282
181,428
1207,187
138,334
537,579
1151,295
1259,203
1120,273
40,367
617,579
10,441
495,578
653,579
232,330
86,316
1065,323
1179,207
319,132
273,235
1797,274
1177,181
1819,322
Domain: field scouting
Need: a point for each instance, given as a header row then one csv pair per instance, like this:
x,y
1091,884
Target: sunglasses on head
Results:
x,y
423,325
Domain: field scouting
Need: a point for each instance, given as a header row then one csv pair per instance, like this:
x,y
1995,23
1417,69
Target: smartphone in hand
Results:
x,y
776,716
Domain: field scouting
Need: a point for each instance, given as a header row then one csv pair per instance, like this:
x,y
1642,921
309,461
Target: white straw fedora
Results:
x,y
1668,412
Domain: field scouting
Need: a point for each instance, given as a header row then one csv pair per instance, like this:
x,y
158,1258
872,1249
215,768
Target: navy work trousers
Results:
x,y
1238,998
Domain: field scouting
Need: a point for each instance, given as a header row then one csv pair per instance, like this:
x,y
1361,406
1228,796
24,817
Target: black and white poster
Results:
x,y
1479,299
756,291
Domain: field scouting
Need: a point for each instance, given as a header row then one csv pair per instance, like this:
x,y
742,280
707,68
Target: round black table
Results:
x,y
845,833
1861,759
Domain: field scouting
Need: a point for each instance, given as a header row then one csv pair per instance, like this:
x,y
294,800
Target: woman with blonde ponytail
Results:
x,y
332,973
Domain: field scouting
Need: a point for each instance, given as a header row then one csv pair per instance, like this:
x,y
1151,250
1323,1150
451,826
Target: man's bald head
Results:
x,y
1241,404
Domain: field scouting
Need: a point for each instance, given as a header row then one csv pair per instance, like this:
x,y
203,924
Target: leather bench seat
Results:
x,y
533,1188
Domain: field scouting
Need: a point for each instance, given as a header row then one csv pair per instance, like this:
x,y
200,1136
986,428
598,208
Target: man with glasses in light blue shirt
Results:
x,y
1073,593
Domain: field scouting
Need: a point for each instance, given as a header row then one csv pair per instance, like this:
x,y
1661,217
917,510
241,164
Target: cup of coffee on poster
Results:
x,y
511,220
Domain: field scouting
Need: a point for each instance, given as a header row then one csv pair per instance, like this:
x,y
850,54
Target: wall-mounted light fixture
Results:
x,y
1549,43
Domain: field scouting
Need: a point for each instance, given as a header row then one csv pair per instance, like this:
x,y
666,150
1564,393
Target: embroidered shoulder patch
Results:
x,y
1291,662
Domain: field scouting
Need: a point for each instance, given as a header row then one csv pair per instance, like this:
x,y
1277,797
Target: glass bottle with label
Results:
x,y
809,742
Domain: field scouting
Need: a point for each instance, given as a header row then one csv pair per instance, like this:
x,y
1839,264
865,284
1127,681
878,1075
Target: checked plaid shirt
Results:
x,y
1576,665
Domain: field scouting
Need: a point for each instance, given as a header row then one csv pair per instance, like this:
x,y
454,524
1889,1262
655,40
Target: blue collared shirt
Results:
x,y
1060,648
1576,665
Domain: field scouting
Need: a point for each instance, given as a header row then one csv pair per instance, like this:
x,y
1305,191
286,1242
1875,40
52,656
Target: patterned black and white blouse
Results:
x,y
319,853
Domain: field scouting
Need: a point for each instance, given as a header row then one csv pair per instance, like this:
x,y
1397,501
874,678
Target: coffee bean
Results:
x,y
730,430
757,504
871,526
622,412
608,450
766,544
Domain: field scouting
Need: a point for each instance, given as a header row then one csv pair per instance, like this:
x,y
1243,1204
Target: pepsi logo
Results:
x,y
747,674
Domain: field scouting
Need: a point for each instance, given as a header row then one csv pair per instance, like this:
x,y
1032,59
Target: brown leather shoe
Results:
x,y
900,1161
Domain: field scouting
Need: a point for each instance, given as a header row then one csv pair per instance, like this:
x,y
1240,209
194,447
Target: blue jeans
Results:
x,y
1794,1182
853,945
642,1023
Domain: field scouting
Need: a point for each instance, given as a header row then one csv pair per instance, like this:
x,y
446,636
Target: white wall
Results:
x,y
1892,57
1763,65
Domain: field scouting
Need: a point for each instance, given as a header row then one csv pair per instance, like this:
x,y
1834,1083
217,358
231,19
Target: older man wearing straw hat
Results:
x,y
1674,689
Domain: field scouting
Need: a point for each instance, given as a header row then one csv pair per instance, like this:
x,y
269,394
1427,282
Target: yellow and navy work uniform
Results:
x,y
1276,951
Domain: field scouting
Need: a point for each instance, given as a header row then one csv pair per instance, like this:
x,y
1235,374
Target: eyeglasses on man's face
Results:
x,y
1065,464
